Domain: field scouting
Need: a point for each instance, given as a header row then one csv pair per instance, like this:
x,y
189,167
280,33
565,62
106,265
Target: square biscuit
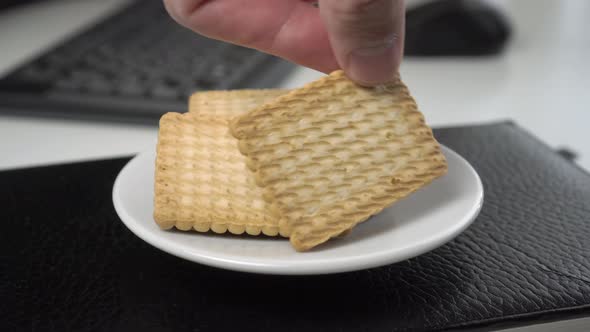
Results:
x,y
228,104
202,182
201,179
332,153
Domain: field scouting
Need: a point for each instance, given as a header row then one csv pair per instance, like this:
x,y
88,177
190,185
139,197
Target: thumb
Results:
x,y
366,37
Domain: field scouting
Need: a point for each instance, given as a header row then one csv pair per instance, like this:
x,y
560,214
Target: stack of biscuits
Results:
x,y
308,164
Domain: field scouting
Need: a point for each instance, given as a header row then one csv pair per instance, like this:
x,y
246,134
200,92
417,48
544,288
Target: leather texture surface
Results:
x,y
68,264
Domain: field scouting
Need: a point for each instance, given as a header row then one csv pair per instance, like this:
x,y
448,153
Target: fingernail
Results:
x,y
373,65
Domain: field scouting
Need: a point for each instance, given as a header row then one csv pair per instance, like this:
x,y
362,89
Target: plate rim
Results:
x,y
331,266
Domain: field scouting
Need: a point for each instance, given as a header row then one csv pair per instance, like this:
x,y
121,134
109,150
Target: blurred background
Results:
x,y
90,79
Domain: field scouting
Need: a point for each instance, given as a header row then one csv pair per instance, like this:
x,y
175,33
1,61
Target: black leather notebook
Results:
x,y
68,264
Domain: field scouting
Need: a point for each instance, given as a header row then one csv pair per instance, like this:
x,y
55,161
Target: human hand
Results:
x,y
363,37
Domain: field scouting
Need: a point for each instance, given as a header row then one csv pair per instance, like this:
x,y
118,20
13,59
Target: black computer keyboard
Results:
x,y
135,65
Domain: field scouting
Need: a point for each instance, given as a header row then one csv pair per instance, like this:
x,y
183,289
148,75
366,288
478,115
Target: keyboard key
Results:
x,y
38,73
99,87
164,92
220,71
204,84
67,85
130,89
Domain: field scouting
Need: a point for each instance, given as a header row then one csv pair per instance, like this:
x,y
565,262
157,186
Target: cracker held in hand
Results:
x,y
333,153
202,182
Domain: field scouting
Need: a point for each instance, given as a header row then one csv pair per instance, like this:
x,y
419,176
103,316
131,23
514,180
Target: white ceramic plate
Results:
x,y
423,221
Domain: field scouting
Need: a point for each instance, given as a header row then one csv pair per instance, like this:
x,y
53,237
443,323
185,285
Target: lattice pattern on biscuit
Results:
x,y
228,104
331,154
202,182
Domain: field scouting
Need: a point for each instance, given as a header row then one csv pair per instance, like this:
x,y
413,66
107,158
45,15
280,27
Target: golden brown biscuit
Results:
x,y
333,153
202,182
228,104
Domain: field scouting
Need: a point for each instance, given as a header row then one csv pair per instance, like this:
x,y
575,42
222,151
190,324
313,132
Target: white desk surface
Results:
x,y
541,82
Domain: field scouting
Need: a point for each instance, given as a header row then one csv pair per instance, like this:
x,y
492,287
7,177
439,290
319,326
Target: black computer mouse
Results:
x,y
455,28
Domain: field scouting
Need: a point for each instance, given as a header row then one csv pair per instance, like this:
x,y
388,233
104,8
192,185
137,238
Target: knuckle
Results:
x,y
181,10
355,8
371,19
171,7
